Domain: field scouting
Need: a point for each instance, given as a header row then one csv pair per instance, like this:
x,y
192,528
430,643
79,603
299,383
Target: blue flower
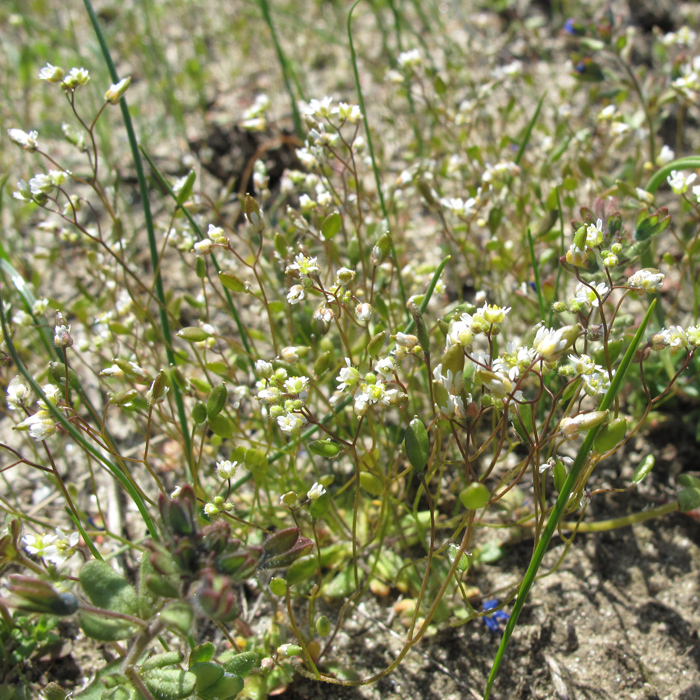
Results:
x,y
493,621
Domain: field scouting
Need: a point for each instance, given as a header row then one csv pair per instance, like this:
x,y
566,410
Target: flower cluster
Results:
x,y
284,395
53,548
41,424
374,388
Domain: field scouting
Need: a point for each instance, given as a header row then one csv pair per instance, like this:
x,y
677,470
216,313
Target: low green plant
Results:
x,y
324,407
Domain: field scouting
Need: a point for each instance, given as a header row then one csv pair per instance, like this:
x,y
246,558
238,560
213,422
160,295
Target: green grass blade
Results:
x,y
284,64
232,308
370,146
563,500
153,247
73,431
536,271
528,131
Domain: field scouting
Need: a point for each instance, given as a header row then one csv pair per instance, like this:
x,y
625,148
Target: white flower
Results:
x,y
458,206
385,368
203,247
349,113
596,383
40,545
679,182
211,510
315,492
549,464
549,343
649,280
263,369
216,233
584,364
25,140
363,313
594,234
290,422
297,386
40,425
461,333
348,377
18,394
320,108
296,294
586,295
226,469
303,265
76,76
494,314
116,92
666,155
52,74
409,59
676,337
576,256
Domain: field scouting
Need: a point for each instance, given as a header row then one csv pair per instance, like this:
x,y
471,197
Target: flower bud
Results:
x,y
116,92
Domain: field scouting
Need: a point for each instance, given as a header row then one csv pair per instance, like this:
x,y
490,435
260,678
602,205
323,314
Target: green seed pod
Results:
x,y
123,398
253,214
417,444
381,249
371,483
452,552
178,377
193,334
331,225
291,649
324,448
217,400
559,474
281,246
426,191
323,626
644,467
614,348
610,435
580,238
376,344
221,426
200,268
323,362
278,586
57,370
232,282
453,361
421,330
475,496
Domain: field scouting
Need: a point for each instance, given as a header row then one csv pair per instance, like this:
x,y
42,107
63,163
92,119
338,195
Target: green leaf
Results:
x,y
301,570
242,664
689,499
207,673
170,684
108,589
178,615
228,686
203,652
105,629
